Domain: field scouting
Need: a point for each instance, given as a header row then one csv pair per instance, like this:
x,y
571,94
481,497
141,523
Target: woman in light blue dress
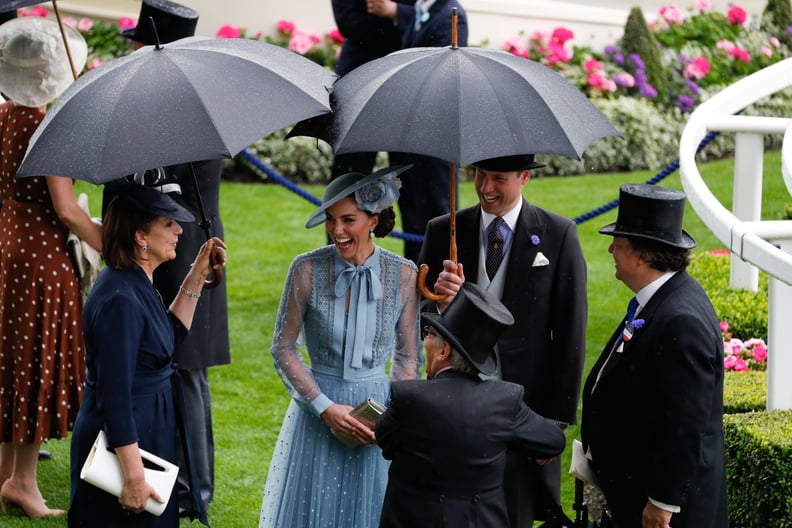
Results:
x,y
357,307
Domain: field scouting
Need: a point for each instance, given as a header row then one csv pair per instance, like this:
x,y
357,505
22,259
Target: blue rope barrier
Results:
x,y
670,169
411,237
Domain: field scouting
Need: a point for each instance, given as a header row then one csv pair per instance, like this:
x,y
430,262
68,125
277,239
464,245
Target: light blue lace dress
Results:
x,y
354,319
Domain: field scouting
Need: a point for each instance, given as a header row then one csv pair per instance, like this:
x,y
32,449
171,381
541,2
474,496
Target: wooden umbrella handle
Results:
x,y
217,275
65,39
452,245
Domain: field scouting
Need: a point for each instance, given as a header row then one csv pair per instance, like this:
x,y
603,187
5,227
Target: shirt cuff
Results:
x,y
667,507
320,404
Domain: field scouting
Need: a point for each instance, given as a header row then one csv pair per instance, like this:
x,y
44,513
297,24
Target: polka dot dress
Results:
x,y
42,359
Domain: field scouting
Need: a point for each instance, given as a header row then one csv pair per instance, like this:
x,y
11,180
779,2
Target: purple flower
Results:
x,y
619,59
647,90
610,49
685,103
693,86
637,61
535,240
789,30
638,323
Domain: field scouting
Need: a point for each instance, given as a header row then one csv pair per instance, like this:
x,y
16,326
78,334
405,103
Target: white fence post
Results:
x,y
747,200
779,336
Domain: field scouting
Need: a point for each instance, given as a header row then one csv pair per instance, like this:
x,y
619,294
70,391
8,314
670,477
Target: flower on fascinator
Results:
x,y
379,194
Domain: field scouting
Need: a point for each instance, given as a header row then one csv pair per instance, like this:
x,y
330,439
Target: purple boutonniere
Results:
x,y
630,329
535,240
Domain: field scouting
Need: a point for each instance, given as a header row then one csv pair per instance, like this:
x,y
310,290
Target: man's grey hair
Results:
x,y
461,364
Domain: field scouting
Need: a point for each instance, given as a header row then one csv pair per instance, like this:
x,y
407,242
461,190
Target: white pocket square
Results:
x,y
540,260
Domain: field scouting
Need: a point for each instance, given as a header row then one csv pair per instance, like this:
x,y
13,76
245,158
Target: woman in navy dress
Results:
x,y
131,390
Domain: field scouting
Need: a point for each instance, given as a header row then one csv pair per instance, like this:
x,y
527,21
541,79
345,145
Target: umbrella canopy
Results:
x,y
461,105
194,99
11,5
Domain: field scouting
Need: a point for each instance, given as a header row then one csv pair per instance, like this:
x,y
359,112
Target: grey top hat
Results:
x,y
34,66
351,182
518,162
152,201
651,213
173,22
472,324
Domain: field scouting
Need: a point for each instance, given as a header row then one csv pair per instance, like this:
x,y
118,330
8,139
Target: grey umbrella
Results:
x,y
193,99
461,105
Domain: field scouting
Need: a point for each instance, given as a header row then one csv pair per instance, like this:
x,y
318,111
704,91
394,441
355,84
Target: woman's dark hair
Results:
x,y
387,219
119,225
660,256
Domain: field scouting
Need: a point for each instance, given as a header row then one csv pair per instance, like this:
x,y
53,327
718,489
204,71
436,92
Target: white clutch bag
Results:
x,y
103,470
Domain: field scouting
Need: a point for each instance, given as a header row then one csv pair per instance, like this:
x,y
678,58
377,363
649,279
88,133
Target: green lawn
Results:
x,y
264,230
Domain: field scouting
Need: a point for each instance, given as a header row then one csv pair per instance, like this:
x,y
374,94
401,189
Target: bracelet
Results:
x,y
188,293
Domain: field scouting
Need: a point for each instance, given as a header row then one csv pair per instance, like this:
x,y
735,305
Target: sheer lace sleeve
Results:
x,y
407,357
286,343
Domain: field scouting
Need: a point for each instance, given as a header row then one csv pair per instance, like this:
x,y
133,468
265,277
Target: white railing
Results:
x,y
754,244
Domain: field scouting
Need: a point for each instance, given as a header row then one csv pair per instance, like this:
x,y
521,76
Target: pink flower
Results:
x,y
736,346
35,11
624,79
600,82
557,53
721,253
592,65
736,15
301,42
228,31
126,23
697,68
775,42
336,36
724,326
740,54
703,5
740,365
285,27
729,361
561,35
515,47
725,45
767,52
672,13
95,63
69,21
760,353
85,24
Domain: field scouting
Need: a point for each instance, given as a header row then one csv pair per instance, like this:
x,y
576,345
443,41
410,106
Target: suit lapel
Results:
x,y
523,251
469,240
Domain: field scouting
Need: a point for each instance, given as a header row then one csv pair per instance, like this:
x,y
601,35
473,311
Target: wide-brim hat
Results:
x,y
345,185
651,213
472,324
173,22
152,201
34,65
518,162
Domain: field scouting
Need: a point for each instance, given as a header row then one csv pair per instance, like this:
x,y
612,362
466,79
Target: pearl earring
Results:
x,y
371,234
145,248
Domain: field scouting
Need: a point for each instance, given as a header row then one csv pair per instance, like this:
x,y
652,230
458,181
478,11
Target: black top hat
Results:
x,y
652,213
5,16
472,324
347,184
173,22
510,163
152,201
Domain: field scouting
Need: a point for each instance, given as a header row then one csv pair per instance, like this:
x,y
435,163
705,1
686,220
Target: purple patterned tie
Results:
x,y
494,247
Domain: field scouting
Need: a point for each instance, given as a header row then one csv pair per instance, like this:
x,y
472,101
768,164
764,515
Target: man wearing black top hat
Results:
x,y
207,344
653,402
447,436
538,272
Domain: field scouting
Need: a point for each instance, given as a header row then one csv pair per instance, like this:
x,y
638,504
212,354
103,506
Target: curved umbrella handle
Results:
x,y
217,275
422,272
